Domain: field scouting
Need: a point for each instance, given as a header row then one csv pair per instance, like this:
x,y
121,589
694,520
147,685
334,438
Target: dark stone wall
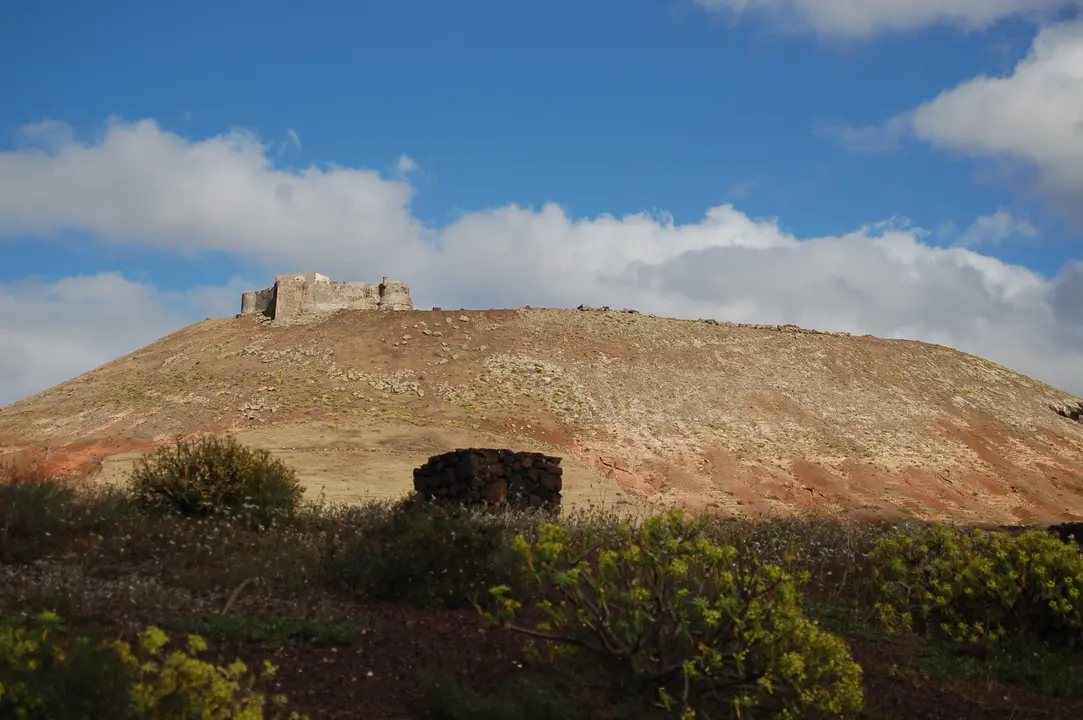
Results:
x,y
477,476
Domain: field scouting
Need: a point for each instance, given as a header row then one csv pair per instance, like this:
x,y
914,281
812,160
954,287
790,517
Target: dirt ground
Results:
x,y
353,464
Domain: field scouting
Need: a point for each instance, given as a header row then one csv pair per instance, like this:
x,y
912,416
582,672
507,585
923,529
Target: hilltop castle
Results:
x,y
303,296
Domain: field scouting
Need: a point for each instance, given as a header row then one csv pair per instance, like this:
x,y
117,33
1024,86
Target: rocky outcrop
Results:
x,y
1070,412
303,297
485,476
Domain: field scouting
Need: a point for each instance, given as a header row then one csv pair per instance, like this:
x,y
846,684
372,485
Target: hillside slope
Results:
x,y
745,419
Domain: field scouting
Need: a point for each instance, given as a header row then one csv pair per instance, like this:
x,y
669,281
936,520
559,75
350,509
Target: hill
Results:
x,y
743,419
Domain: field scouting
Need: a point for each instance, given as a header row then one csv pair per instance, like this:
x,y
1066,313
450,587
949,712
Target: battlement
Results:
x,y
302,297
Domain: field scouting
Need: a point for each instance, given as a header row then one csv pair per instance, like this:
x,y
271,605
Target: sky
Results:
x,y
902,168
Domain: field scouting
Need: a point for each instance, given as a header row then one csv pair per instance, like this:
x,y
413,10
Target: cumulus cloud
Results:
x,y
1030,121
862,18
48,336
139,183
144,185
995,228
1033,117
406,164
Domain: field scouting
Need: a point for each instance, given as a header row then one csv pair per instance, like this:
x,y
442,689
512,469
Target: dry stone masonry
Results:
x,y
1072,413
302,297
479,476
710,321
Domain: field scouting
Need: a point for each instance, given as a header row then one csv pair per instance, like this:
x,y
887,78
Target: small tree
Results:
x,y
217,476
697,621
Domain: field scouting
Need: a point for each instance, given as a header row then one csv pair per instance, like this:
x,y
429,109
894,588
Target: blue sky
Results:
x,y
904,168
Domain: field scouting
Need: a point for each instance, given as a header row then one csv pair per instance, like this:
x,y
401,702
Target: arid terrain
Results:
x,y
740,419
747,422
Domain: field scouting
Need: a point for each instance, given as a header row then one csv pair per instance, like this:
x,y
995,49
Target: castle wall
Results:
x,y
303,296
356,295
258,302
394,296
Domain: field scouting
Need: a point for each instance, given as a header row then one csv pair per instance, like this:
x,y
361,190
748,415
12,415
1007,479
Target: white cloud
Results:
x,y
140,184
406,164
1033,117
1030,121
54,331
995,228
862,18
869,138
294,138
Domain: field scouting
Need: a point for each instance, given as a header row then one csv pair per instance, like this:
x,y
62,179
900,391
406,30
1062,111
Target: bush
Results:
x,y
217,476
37,512
46,676
976,586
33,511
424,554
686,617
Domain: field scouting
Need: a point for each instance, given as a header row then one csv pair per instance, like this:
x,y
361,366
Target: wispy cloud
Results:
x,y
743,189
996,228
294,138
864,18
869,138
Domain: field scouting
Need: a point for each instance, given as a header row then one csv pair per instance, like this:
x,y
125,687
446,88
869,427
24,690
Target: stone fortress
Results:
x,y
302,297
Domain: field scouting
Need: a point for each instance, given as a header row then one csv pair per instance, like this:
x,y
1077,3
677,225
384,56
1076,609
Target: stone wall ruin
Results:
x,y
486,476
309,296
1067,411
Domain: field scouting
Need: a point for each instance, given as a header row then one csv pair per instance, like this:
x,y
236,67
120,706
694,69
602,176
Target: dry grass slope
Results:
x,y
743,419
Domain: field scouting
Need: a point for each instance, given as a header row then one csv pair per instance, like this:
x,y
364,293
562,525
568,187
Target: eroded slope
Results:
x,y
740,418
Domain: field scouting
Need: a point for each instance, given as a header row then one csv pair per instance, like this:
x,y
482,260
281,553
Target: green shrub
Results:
x,y
976,586
700,623
33,511
45,675
448,698
424,554
230,626
217,476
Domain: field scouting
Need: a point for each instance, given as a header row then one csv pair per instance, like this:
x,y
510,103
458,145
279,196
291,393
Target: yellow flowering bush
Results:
x,y
976,586
697,621
45,675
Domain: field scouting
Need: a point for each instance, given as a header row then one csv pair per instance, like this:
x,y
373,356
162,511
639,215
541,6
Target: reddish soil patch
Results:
x,y
79,459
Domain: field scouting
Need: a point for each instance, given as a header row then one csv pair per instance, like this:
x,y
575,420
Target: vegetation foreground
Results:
x,y
207,589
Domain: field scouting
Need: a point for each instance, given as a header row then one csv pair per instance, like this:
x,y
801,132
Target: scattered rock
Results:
x,y
1067,411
